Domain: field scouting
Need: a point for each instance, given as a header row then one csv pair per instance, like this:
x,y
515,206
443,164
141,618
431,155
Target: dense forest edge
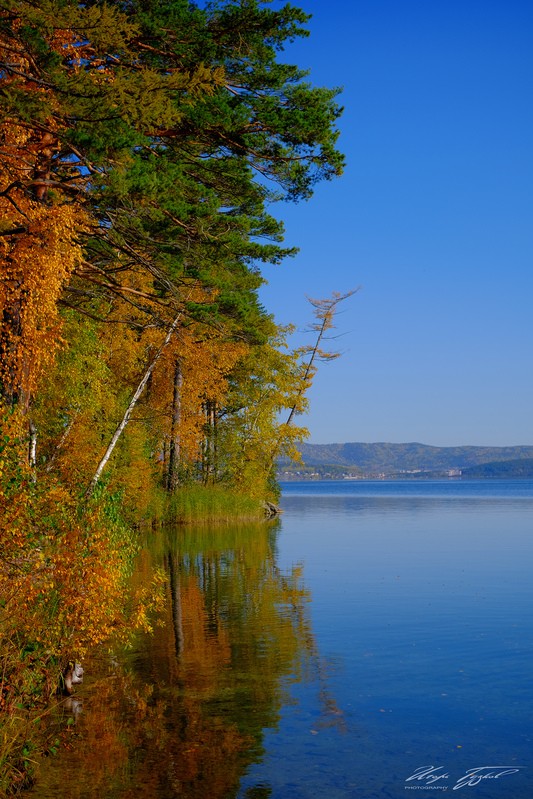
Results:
x,y
406,461
142,148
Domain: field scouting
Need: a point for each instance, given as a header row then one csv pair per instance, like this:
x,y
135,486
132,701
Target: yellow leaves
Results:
x,y
64,575
205,361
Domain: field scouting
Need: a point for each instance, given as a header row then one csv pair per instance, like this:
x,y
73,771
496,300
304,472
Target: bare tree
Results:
x,y
324,313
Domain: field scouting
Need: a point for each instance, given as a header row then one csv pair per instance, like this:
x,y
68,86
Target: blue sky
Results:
x,y
433,218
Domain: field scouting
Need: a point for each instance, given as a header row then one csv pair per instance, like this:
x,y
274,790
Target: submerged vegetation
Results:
x,y
141,148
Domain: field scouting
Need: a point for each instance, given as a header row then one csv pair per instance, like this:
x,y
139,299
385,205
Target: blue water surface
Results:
x,y
421,609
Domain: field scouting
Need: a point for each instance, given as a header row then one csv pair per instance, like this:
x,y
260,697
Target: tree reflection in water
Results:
x,y
183,714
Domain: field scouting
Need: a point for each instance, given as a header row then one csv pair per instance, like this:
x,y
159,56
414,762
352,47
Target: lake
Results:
x,y
375,641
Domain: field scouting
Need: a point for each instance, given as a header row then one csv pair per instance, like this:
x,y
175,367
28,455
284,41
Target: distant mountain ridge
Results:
x,y
383,458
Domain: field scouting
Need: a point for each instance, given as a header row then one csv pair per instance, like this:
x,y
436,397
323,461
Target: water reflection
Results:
x,y
421,613
184,713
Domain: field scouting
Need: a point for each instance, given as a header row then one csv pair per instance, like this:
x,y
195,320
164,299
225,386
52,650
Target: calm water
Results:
x,y
378,631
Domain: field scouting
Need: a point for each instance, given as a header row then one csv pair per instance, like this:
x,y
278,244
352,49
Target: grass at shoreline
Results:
x,y
196,503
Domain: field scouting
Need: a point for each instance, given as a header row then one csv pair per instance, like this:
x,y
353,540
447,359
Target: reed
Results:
x,y
197,503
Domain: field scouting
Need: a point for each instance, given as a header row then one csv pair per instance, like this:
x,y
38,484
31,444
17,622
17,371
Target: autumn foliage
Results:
x,y
138,142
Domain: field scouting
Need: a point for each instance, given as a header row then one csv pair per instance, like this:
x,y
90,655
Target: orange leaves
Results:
x,y
38,251
34,266
66,589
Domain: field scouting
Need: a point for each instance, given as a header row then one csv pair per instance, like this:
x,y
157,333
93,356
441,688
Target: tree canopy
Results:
x,y
142,149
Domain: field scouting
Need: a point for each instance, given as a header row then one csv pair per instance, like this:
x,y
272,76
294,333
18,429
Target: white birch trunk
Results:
x,y
32,452
125,419
60,444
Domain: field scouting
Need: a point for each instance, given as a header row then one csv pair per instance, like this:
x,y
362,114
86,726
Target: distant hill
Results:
x,y
408,459
516,468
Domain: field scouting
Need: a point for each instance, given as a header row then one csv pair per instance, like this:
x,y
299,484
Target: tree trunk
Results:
x,y
32,451
174,444
213,449
209,449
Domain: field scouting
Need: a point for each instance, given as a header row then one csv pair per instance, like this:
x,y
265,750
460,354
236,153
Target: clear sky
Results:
x,y
433,218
